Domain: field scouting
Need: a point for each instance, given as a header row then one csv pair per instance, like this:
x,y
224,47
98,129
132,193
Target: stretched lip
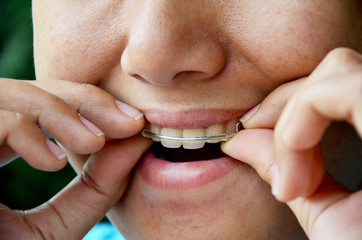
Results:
x,y
190,118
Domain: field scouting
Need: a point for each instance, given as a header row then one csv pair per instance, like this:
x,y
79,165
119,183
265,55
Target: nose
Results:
x,y
170,42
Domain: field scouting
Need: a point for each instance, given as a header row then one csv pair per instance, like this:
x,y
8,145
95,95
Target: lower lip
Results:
x,y
163,174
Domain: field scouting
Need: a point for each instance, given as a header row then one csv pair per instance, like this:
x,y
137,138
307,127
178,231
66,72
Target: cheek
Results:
x,y
287,39
77,45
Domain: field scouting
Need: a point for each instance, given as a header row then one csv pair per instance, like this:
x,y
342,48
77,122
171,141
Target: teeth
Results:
x,y
198,132
214,130
171,133
157,130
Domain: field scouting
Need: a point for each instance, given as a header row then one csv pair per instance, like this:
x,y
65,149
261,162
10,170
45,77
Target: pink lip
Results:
x,y
191,118
184,175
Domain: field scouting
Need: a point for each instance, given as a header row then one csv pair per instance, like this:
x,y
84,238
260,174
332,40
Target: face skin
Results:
x,y
182,59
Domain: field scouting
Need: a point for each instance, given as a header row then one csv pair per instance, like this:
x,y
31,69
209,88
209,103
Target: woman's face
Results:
x,y
192,64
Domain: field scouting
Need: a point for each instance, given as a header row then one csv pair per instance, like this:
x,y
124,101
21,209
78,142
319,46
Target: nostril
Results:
x,y
137,76
188,75
153,80
161,80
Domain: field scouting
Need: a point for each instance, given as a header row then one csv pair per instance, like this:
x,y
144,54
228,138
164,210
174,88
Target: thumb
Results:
x,y
255,148
84,202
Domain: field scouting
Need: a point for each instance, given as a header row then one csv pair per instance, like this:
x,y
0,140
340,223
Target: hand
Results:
x,y
24,106
289,156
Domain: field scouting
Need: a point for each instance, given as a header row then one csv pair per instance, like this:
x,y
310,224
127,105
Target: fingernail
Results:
x,y
249,114
276,180
93,128
129,111
57,151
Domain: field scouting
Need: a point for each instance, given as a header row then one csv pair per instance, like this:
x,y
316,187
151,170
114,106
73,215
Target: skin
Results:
x,y
180,56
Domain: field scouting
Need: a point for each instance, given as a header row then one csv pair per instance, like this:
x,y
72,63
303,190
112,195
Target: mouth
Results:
x,y
208,152
194,138
184,158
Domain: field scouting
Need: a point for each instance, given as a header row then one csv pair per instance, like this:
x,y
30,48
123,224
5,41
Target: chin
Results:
x,y
210,199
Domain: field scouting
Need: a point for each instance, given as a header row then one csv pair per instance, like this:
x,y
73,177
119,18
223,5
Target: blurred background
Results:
x,y
23,187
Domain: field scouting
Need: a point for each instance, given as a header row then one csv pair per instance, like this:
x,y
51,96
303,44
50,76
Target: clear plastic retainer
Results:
x,y
224,137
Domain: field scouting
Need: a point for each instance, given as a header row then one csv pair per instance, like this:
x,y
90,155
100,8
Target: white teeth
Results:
x,y
214,130
218,129
170,132
157,130
198,132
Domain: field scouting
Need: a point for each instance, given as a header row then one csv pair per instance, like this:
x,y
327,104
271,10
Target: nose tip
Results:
x,y
171,42
171,63
145,66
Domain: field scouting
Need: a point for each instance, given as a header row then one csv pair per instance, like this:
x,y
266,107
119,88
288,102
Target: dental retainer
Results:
x,y
223,137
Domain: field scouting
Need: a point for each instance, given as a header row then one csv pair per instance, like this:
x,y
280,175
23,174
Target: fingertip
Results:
x,y
55,150
124,127
129,110
119,121
246,119
231,146
91,127
134,120
56,161
226,146
139,143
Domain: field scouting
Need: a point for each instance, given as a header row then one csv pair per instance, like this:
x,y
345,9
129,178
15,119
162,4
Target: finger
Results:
x,y
339,61
297,173
53,115
23,137
301,128
255,148
311,111
87,198
332,92
330,210
330,213
114,118
304,121
266,114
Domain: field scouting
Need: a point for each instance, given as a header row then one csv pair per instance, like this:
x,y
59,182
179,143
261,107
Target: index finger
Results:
x,y
115,118
52,114
323,98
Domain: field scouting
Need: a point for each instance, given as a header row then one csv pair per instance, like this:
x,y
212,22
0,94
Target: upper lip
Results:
x,y
188,119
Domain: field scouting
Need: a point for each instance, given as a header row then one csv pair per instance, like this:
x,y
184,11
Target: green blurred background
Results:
x,y
23,187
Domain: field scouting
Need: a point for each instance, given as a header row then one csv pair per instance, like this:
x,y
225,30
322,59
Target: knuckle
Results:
x,y
89,181
343,59
87,89
14,119
9,121
20,119
55,102
17,120
95,97
303,98
290,87
35,229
